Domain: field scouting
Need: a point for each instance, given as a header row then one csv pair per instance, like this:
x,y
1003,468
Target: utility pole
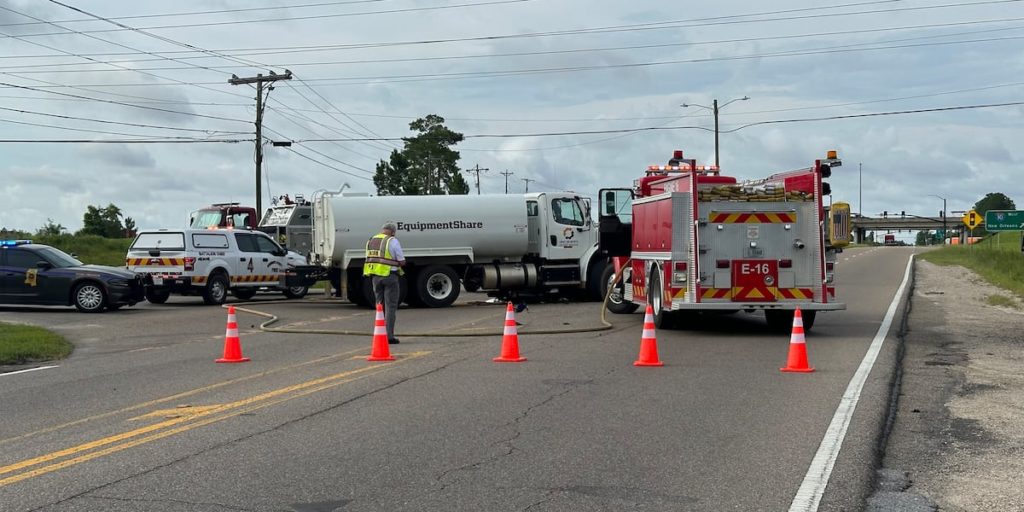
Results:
x,y
860,188
506,174
476,170
527,180
714,108
259,79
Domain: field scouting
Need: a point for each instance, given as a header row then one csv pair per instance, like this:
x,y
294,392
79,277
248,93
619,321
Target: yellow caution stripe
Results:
x,y
752,217
715,293
795,293
154,262
255,279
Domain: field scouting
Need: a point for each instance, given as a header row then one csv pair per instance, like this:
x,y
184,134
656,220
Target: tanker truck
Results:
x,y
510,246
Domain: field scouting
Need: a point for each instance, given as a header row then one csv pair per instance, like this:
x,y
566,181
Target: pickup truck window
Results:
x,y
209,241
171,241
246,242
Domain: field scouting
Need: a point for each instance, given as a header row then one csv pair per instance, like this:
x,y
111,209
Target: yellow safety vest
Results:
x,y
378,257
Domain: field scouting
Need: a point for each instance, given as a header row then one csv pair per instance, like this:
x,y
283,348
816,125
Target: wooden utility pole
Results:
x,y
527,180
258,80
476,170
506,174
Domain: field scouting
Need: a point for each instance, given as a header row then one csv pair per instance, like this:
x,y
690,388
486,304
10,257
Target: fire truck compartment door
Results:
x,y
755,280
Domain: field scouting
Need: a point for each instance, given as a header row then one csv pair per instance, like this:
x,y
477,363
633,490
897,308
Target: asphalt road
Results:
x,y
141,418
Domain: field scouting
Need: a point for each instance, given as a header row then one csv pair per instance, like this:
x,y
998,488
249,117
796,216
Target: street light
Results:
x,y
943,217
714,109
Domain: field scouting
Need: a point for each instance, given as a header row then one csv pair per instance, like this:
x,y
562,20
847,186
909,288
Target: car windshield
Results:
x,y
59,258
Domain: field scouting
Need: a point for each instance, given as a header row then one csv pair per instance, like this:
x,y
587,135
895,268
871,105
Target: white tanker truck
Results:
x,y
534,244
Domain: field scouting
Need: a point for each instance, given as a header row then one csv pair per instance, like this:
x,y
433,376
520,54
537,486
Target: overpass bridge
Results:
x,y
861,225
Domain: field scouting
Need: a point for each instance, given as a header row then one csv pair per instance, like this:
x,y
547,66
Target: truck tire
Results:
x,y
655,299
437,286
89,297
244,293
596,287
782,321
296,292
616,302
157,296
216,291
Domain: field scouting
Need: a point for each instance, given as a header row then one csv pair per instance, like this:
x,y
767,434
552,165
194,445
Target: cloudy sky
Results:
x,y
118,71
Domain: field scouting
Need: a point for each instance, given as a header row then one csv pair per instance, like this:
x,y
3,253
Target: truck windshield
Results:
x,y
206,218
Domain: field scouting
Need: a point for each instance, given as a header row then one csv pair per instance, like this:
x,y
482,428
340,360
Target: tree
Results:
x,y
993,201
51,229
105,222
923,237
427,164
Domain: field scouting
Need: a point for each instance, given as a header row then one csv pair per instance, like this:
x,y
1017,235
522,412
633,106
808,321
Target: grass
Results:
x,y
1001,300
998,259
90,248
24,343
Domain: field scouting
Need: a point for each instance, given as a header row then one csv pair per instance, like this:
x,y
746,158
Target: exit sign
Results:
x,y
1004,220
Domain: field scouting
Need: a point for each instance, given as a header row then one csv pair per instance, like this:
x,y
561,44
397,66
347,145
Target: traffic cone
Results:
x,y
648,342
380,351
510,340
797,347
232,345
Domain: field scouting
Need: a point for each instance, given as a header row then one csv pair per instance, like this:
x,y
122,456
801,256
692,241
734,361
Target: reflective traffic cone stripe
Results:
x,y
232,344
648,342
510,339
797,360
380,350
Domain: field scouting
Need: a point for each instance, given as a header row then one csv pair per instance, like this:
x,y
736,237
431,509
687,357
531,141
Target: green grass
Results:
x,y
997,259
1001,300
24,343
90,248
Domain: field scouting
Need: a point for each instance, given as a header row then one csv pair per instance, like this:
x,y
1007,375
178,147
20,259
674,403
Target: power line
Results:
x,y
121,141
299,18
137,125
328,165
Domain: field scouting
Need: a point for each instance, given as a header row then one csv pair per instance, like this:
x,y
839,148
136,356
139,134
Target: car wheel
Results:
x,y
296,292
437,286
89,297
216,291
244,293
157,297
617,302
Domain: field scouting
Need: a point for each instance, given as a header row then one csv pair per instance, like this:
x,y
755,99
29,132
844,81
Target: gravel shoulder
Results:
x,y
957,439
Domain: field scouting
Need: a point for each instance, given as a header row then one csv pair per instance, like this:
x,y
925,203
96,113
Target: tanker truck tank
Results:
x,y
484,227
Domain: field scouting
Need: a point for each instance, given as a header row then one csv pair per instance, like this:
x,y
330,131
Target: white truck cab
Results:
x,y
212,263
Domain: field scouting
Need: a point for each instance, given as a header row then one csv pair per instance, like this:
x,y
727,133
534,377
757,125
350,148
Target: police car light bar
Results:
x,y
12,243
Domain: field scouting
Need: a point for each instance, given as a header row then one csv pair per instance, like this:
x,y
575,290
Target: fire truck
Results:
x,y
687,239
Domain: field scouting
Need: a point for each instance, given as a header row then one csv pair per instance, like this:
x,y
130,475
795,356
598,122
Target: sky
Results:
x,y
128,103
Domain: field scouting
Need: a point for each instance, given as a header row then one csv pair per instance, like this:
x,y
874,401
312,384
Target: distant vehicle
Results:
x,y
213,262
35,274
224,215
890,240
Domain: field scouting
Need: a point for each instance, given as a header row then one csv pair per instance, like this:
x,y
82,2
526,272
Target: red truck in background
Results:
x,y
890,239
686,238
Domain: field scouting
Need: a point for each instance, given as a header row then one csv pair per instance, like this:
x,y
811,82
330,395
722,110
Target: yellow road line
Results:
x,y
235,408
179,396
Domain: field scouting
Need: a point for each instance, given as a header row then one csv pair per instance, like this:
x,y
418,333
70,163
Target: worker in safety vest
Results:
x,y
384,262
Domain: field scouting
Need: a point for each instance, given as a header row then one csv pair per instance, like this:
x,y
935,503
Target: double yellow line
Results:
x,y
54,461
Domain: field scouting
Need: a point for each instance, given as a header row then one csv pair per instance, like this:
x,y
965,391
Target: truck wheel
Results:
x,y
89,297
157,296
654,298
617,302
596,286
244,293
216,291
808,319
296,292
437,286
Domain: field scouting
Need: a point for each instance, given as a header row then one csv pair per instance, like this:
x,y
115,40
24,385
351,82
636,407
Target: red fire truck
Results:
x,y
686,238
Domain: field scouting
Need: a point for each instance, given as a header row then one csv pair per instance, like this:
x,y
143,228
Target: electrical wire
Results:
x,y
121,141
137,125
327,165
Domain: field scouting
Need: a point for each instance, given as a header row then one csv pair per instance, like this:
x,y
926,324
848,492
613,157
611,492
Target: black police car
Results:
x,y
42,275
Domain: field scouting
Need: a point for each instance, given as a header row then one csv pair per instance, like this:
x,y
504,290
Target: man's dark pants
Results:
x,y
386,290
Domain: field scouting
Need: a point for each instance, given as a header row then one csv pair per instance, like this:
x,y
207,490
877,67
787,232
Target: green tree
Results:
x,y
923,237
104,222
51,229
992,201
426,165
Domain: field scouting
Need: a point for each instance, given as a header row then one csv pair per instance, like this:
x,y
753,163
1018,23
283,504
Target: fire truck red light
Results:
x,y
785,263
721,263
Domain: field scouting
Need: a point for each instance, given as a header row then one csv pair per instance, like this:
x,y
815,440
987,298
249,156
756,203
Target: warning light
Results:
x,y
832,154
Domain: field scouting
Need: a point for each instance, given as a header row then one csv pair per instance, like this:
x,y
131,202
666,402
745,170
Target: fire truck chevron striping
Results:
x,y
697,240
752,218
154,262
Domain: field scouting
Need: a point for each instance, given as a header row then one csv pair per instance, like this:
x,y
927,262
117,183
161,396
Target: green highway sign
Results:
x,y
1004,220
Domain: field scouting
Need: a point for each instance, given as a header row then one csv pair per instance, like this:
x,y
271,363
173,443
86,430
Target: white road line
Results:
x,y
29,370
813,487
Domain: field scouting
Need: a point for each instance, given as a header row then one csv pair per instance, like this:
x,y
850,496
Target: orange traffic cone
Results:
x,y
510,340
648,343
380,351
232,345
797,347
